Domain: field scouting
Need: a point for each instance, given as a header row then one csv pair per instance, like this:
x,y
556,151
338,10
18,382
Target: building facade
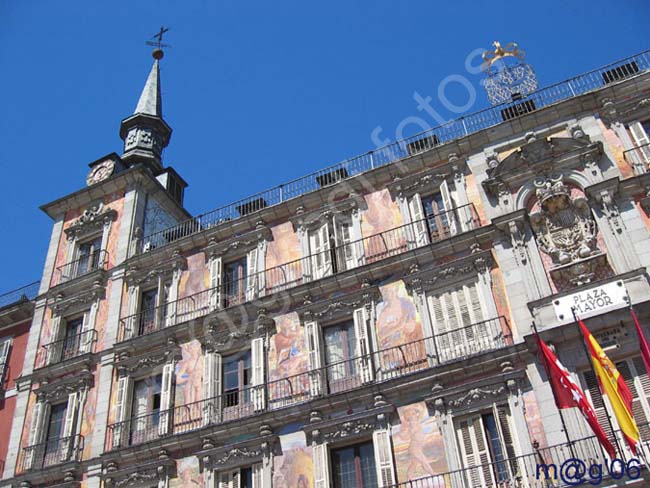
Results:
x,y
367,325
16,310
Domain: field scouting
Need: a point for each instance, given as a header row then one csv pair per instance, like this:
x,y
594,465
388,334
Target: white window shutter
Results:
x,y
345,252
209,478
473,447
40,415
418,223
230,479
86,338
55,350
642,141
320,457
321,259
215,282
258,475
363,352
166,398
448,203
5,347
383,458
211,386
133,307
122,410
251,274
69,426
356,235
312,341
258,359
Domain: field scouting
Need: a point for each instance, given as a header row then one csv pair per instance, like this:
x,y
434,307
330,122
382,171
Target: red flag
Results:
x,y
643,344
568,394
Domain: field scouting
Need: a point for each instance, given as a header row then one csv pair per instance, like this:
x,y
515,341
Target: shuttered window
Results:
x,y
458,318
639,132
354,467
486,446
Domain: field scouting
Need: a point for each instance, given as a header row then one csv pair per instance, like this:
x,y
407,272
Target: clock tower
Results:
x,y
145,133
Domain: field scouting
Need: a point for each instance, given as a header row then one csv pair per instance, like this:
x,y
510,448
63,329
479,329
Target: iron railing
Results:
x,y
50,453
397,150
66,348
336,260
375,367
24,293
638,156
79,267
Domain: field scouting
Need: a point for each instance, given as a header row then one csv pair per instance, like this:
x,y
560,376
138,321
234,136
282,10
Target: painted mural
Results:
x,y
287,358
283,249
615,145
500,295
534,420
418,446
189,374
187,474
398,322
381,215
196,278
88,416
474,196
294,467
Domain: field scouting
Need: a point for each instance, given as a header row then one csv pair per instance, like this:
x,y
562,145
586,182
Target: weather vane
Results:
x,y
158,38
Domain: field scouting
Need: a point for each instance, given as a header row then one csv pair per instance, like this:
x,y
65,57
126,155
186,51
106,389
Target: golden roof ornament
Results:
x,y
510,50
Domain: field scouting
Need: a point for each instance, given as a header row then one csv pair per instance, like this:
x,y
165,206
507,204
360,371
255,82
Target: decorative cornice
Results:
x,y
94,218
61,304
139,475
305,220
341,305
238,244
227,456
355,425
60,389
440,274
166,266
128,365
406,186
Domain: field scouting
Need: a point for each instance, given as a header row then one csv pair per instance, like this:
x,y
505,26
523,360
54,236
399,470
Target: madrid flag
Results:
x,y
613,385
568,394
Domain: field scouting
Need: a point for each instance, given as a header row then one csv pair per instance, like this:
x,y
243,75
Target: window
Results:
x,y
432,216
354,466
459,323
148,301
54,433
248,477
145,409
88,256
333,246
640,131
5,347
71,338
485,443
237,379
235,273
340,350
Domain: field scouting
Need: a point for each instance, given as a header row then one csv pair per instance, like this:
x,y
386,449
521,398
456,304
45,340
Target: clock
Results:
x,y
100,172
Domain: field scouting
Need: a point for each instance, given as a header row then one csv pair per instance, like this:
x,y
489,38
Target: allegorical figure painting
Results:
x,y
295,466
282,250
287,358
188,474
189,374
418,445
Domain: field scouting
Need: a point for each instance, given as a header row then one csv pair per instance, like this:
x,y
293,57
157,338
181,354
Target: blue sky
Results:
x,y
257,92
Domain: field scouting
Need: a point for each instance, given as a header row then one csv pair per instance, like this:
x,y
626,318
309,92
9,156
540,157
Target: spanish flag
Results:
x,y
613,385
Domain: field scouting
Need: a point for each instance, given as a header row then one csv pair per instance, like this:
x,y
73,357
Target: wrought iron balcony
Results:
x,y
79,267
376,367
397,150
546,467
66,348
368,250
638,157
50,453
24,293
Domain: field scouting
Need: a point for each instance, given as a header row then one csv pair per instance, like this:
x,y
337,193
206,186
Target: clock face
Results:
x,y
100,172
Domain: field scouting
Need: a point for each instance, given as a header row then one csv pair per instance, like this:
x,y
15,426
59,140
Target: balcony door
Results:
x,y
72,338
340,353
53,444
88,256
235,277
147,318
145,409
237,376
354,466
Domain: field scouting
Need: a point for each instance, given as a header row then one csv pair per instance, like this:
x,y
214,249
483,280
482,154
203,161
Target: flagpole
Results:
x,y
548,376
588,354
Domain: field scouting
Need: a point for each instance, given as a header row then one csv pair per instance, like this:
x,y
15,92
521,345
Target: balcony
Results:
x,y
638,157
371,249
22,294
66,349
80,267
546,467
377,367
449,131
50,453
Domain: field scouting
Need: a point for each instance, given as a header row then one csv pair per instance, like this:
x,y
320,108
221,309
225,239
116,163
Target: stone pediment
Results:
x,y
539,156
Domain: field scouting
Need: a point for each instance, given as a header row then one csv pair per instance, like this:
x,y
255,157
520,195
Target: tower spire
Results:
x,y
145,133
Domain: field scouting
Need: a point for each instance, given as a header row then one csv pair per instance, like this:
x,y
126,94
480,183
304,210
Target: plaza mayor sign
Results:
x,y
590,302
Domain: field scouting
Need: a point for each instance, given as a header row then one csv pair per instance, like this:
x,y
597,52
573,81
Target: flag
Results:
x,y
568,394
613,385
643,344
